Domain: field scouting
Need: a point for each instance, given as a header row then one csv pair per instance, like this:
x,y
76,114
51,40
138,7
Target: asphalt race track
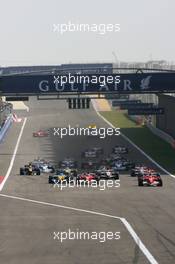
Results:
x,y
27,227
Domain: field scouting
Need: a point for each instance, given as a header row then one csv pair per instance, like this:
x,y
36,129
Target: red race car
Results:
x,y
150,179
41,133
87,178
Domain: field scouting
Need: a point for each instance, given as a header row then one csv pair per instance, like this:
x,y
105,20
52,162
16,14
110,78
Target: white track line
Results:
x,y
133,144
27,108
13,156
138,241
133,234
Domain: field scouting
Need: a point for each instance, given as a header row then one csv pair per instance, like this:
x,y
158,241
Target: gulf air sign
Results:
x,y
97,83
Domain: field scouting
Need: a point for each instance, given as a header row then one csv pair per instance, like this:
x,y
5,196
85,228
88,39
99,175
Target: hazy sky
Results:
x,y
27,36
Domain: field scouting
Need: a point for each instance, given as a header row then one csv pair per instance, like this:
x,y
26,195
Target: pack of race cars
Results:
x,y
36,167
94,166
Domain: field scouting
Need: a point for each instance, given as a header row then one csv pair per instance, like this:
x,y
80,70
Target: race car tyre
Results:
x,y
98,179
132,174
116,177
52,179
22,171
160,183
38,172
140,183
52,170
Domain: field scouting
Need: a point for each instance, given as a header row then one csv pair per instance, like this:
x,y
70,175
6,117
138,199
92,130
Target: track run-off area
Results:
x,y
32,210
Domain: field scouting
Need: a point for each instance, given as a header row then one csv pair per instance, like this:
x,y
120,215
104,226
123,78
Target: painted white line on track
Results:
x,y
133,234
138,241
133,144
27,108
13,156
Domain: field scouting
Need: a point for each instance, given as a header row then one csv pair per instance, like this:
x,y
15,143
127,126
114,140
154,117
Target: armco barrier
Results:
x,y
156,131
162,135
5,127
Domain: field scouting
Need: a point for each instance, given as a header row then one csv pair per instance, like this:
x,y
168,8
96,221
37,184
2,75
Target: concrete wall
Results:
x,y
166,122
6,126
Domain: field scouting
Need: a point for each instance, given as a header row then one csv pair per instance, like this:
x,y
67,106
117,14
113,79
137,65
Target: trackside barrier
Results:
x,y
156,131
162,135
5,127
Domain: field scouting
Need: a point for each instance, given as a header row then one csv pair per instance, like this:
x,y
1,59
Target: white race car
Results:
x,y
43,165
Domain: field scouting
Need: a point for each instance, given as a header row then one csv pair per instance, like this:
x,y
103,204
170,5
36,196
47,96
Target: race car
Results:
x,y
92,126
71,172
89,165
59,176
122,165
114,156
92,130
150,179
89,153
87,178
110,159
68,163
98,150
107,173
43,165
120,150
29,169
137,170
106,161
41,133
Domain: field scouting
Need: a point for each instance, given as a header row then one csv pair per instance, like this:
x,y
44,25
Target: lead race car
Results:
x,y
150,178
41,133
